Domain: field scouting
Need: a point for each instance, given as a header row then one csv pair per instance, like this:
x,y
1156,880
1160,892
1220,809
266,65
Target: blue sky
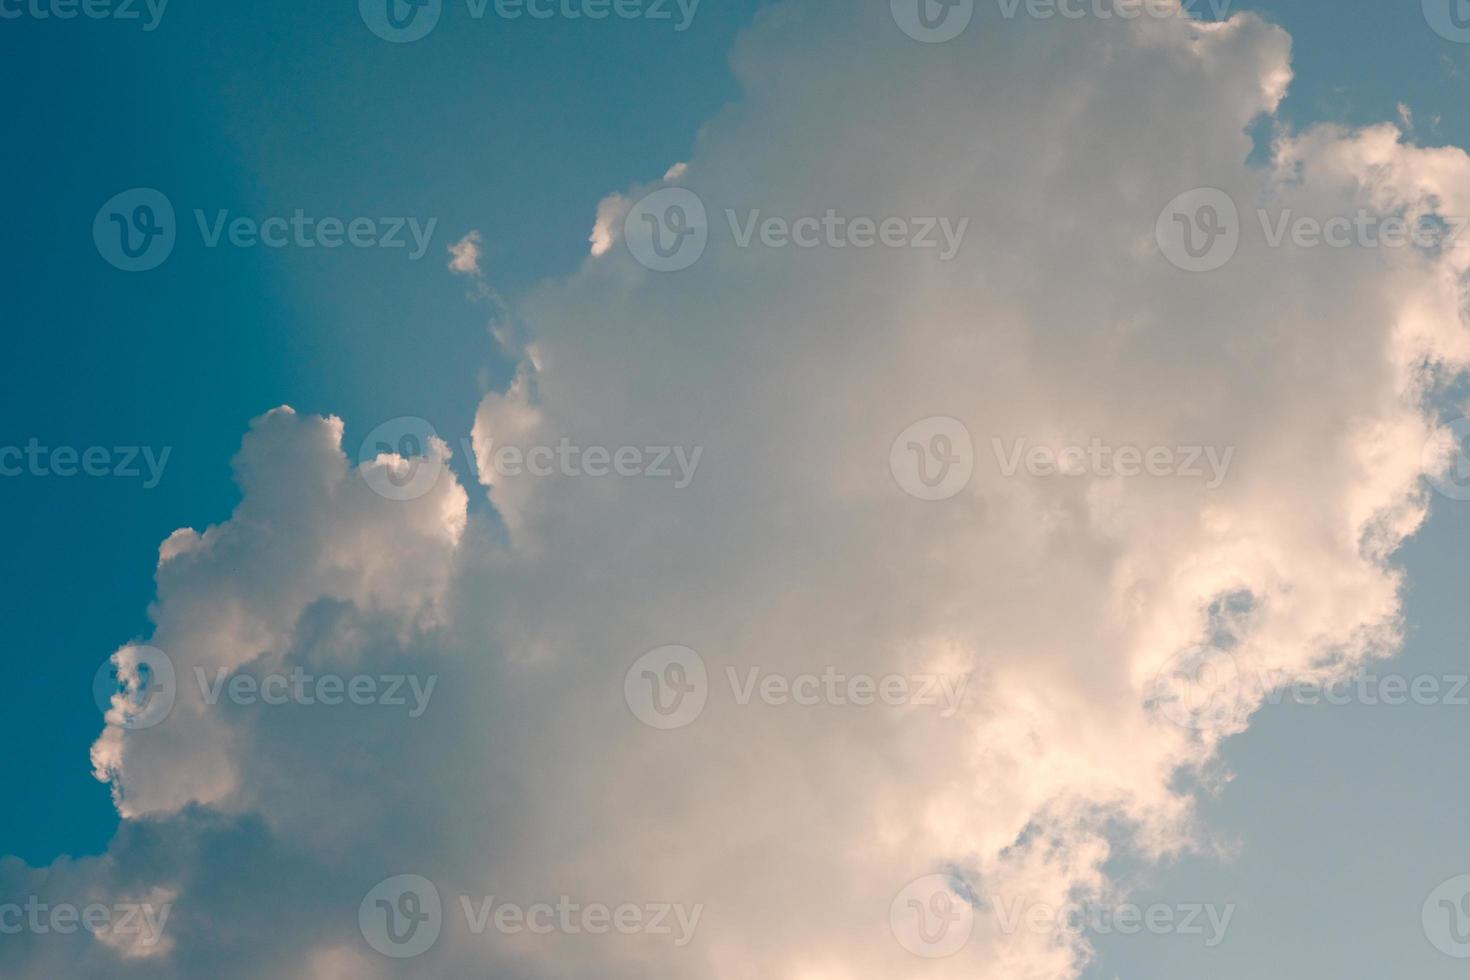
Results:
x,y
1342,817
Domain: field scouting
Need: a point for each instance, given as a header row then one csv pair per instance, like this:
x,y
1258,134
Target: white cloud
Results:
x,y
465,255
1058,599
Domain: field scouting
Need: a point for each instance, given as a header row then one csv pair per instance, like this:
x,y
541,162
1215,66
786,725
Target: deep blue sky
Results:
x,y
518,129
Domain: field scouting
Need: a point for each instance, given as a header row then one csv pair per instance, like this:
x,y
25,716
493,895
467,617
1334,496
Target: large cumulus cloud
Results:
x,y
1055,601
